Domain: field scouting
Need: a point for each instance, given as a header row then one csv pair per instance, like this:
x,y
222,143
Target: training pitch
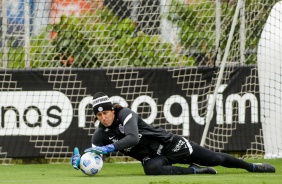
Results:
x,y
125,173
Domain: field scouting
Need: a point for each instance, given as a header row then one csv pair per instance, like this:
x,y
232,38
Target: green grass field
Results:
x,y
132,173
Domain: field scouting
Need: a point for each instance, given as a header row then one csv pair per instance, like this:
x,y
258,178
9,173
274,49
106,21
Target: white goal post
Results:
x,y
220,75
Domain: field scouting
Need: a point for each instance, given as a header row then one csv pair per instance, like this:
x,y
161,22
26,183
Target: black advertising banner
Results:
x,y
46,113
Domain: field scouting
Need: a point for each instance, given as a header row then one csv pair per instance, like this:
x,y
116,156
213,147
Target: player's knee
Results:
x,y
152,171
153,166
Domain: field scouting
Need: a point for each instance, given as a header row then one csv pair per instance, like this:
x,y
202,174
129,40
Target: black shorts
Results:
x,y
179,150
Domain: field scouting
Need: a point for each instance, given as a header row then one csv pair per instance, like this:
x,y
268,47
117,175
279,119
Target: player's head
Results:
x,y
101,102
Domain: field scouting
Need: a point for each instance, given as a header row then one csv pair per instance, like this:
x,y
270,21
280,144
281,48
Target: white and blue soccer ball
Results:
x,y
91,163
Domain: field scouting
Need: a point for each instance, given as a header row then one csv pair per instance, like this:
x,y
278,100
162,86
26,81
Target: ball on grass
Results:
x,y
91,163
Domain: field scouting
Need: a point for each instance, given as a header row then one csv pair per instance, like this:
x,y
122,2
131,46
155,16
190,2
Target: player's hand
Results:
x,y
75,159
101,149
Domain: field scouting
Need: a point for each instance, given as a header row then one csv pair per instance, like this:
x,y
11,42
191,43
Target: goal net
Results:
x,y
165,59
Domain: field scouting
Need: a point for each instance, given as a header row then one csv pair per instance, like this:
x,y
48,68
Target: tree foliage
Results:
x,y
101,39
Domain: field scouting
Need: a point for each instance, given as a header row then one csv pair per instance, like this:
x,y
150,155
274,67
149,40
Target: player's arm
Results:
x,y
99,138
130,126
101,144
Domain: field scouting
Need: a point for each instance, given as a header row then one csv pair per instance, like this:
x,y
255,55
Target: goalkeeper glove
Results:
x,y
101,149
75,159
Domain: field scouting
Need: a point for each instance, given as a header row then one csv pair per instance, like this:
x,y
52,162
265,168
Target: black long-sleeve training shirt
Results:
x,y
133,137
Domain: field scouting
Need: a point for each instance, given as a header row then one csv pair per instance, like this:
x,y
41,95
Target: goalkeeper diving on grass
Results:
x,y
121,129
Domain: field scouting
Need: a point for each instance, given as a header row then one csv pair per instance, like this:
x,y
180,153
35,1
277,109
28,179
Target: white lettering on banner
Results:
x,y
149,100
34,113
51,112
81,110
183,118
241,107
219,105
119,100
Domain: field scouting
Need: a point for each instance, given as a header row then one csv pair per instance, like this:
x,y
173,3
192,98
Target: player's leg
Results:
x,y
203,156
159,165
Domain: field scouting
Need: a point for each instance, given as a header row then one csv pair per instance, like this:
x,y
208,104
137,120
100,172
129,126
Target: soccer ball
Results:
x,y
91,163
